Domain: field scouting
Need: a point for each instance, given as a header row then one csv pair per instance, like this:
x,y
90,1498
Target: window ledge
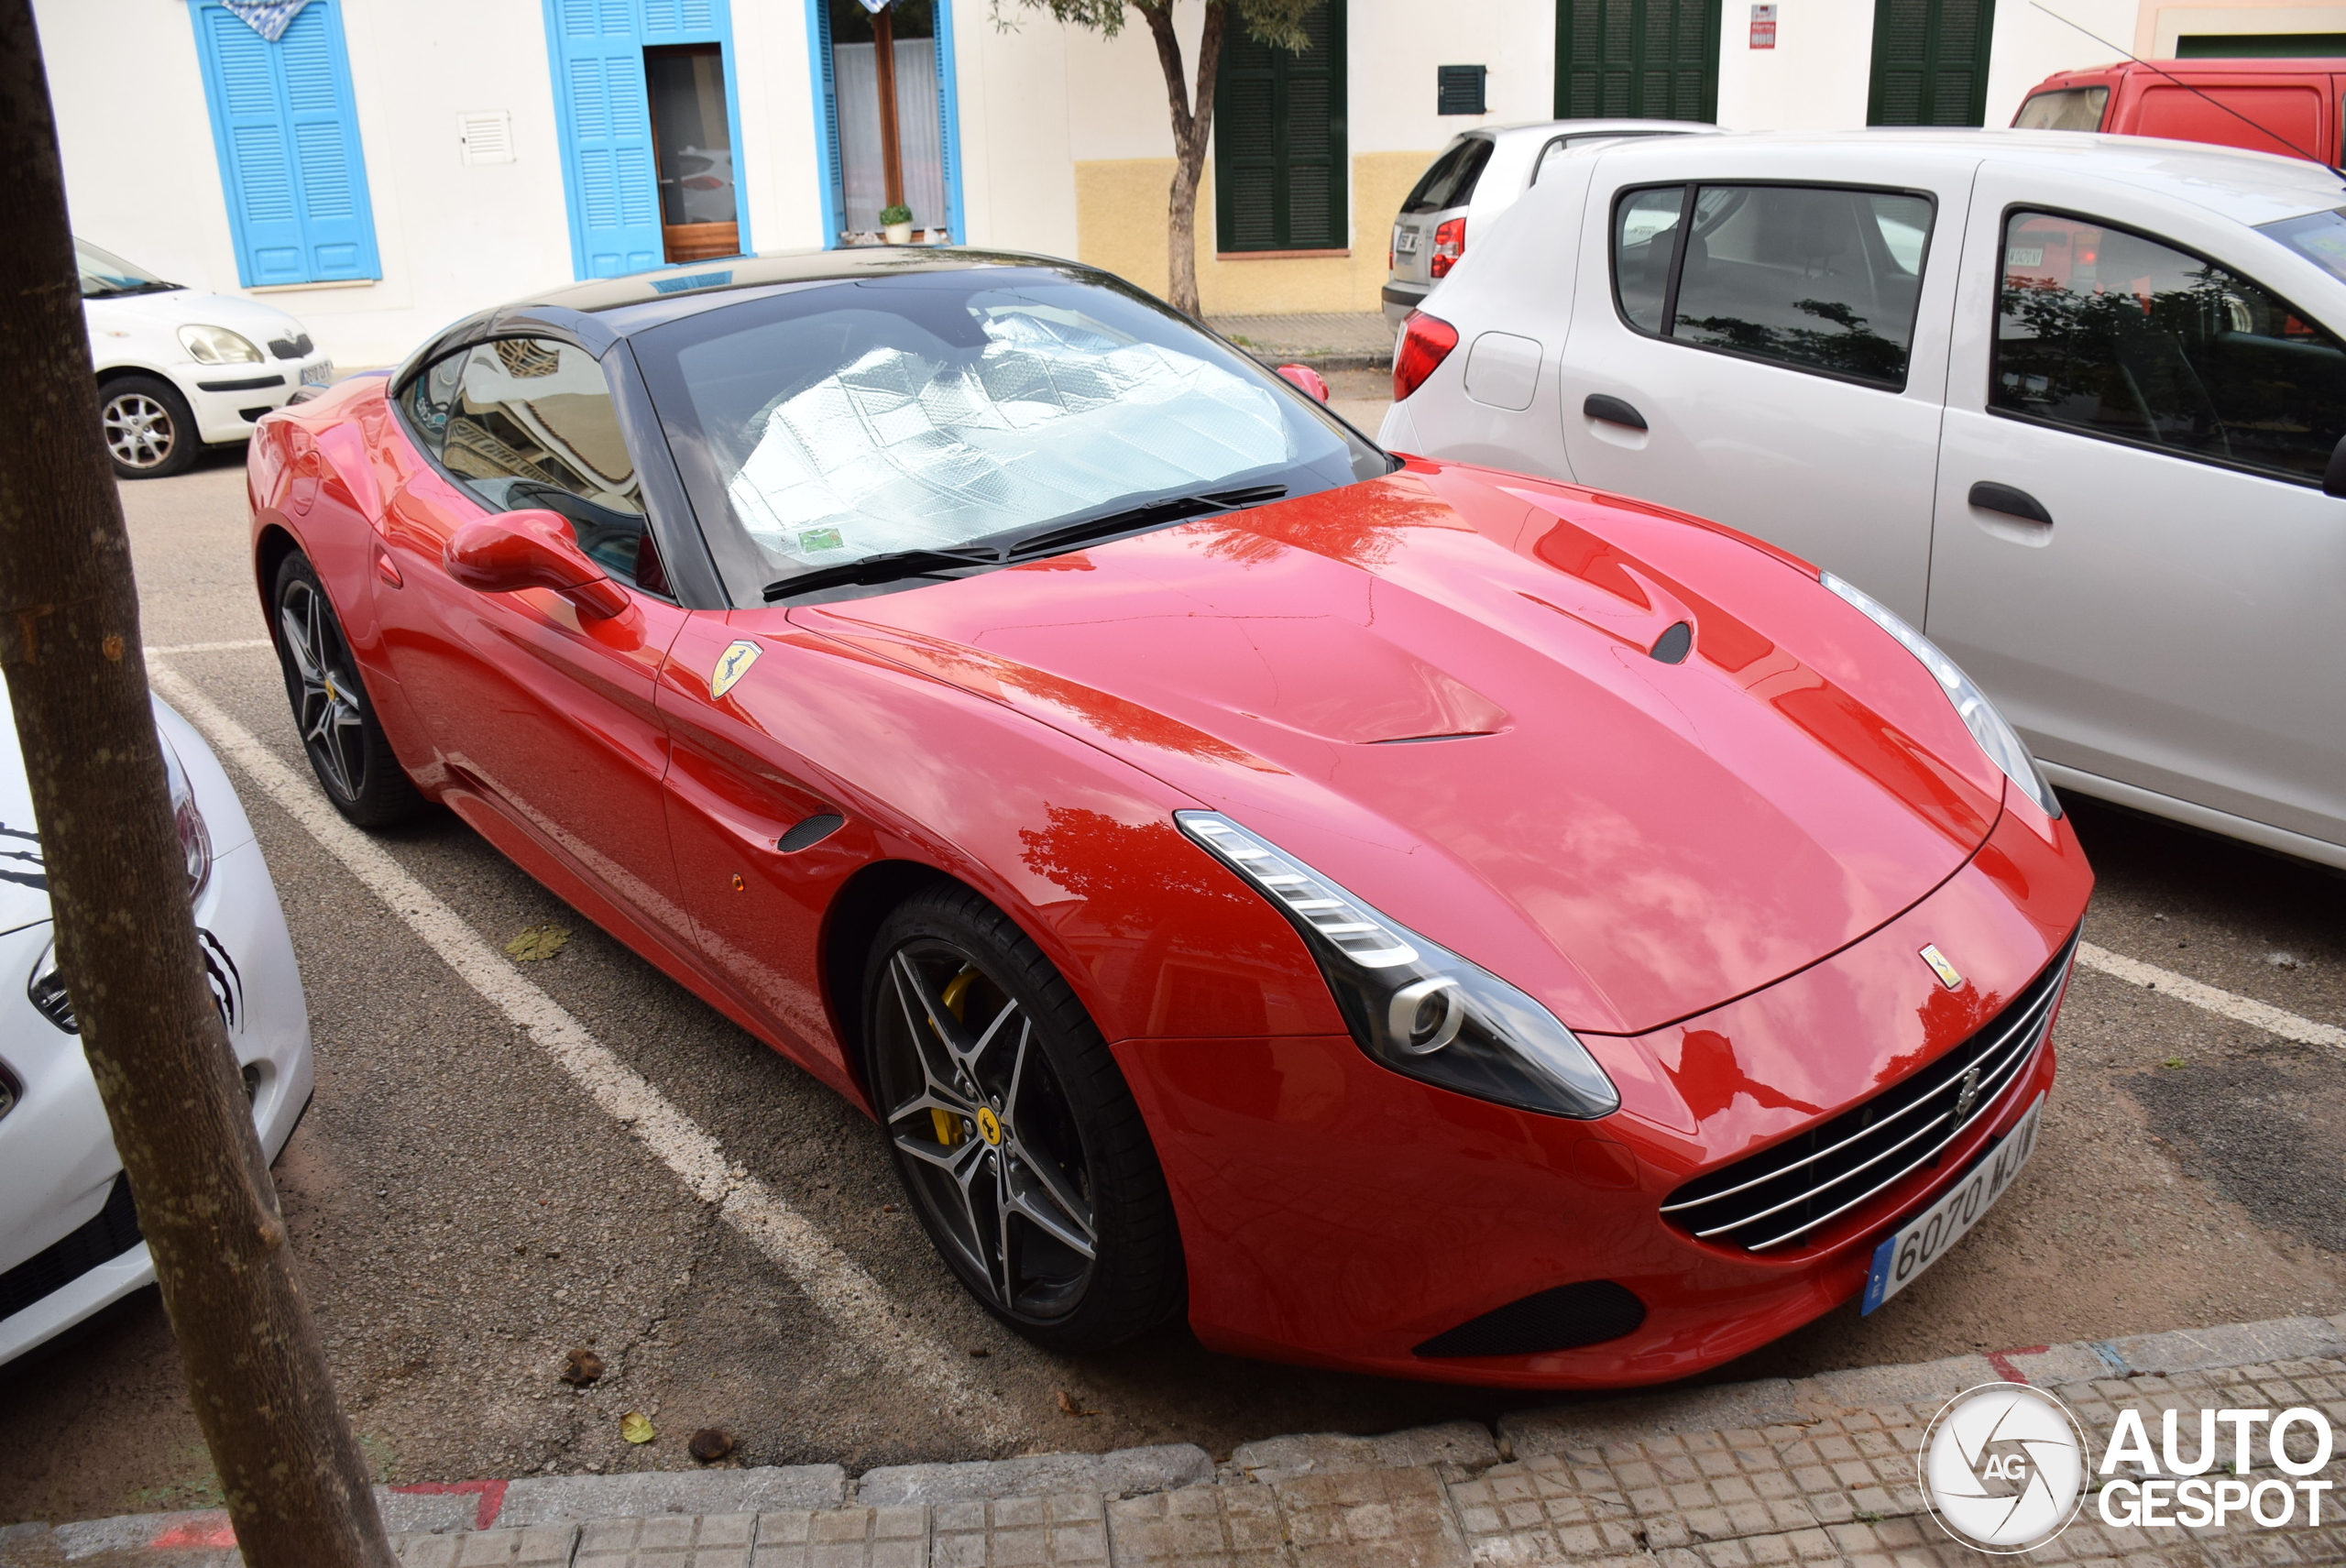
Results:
x,y
324,284
1280,255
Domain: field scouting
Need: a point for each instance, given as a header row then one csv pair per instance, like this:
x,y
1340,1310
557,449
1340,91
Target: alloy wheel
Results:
x,y
326,707
139,429
987,1141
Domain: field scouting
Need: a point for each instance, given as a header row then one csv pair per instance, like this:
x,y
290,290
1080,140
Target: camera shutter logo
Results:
x,y
2003,1467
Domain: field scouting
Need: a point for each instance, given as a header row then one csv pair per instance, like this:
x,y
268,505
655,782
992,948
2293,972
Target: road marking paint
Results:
x,y
153,652
838,1285
2241,1009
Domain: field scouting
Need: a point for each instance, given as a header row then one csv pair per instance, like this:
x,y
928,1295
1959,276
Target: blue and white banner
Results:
x,y
267,17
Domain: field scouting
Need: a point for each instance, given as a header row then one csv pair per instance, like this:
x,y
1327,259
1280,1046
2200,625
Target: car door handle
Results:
x,y
1612,410
1989,496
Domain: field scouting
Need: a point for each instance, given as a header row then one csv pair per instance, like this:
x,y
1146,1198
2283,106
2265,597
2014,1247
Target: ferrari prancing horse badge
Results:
x,y
731,666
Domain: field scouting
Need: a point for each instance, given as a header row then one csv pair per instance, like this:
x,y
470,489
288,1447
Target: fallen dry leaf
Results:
x,y
538,942
711,1444
1069,1403
636,1427
582,1366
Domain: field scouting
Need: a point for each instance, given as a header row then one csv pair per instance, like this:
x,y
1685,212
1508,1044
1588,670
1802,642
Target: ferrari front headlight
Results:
x,y
218,345
1414,1005
1996,736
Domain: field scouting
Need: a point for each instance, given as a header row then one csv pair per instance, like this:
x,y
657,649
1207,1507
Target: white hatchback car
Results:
x,y
2072,403
178,370
1472,182
69,1233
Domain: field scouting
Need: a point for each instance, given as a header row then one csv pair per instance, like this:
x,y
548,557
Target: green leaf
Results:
x,y
538,942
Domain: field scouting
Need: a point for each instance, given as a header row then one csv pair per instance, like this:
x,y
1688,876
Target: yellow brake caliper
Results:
x,y
949,1131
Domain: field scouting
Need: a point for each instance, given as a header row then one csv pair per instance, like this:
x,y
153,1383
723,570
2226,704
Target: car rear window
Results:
x,y
932,410
2064,109
1449,182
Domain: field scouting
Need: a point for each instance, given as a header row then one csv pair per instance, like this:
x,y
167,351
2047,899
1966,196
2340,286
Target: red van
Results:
x,y
2288,107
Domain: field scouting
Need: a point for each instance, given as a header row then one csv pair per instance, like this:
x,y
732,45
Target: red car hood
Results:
x,y
1629,839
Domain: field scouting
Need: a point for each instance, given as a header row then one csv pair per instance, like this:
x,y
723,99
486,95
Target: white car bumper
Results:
x,y
58,1166
228,398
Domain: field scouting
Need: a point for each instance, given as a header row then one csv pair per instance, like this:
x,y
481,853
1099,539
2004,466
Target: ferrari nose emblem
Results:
x,y
1968,1095
989,1125
731,666
1949,976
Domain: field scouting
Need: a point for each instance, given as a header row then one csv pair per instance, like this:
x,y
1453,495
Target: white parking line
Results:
x,y
2241,1009
209,647
837,1284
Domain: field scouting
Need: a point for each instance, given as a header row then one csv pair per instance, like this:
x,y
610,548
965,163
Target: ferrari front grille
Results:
x,y
1774,1198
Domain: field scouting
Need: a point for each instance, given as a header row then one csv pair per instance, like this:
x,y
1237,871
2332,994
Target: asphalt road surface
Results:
x,y
470,1204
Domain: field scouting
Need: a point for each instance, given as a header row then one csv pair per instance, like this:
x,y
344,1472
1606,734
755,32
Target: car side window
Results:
x,y
529,421
2111,334
1815,278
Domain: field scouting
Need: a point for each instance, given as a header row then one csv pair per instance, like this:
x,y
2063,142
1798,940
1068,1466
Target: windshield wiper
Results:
x,y
885,567
1050,541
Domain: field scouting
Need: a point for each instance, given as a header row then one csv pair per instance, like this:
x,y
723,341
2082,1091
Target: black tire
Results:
x,y
1060,1134
332,712
150,432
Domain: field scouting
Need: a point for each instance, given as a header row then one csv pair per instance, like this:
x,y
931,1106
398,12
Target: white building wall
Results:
x,y
780,162
1396,45
1017,161
1815,77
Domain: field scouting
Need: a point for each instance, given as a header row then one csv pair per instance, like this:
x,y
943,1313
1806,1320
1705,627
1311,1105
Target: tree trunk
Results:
x,y
295,1484
1191,130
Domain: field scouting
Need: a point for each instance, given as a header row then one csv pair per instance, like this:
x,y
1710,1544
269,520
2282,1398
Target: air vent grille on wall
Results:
x,y
486,137
1458,90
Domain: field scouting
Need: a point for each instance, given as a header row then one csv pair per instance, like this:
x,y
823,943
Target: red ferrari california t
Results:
x,y
1408,917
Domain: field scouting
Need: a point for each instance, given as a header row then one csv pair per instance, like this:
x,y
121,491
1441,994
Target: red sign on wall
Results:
x,y
1763,26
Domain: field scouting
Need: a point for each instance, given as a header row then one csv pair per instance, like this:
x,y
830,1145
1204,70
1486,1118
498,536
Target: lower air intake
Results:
x,y
1565,1317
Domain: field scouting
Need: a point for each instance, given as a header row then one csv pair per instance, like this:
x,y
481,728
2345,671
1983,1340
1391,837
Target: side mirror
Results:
x,y
534,549
1305,377
2333,479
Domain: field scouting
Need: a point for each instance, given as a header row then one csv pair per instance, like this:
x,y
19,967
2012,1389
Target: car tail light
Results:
x,y
1426,342
1448,245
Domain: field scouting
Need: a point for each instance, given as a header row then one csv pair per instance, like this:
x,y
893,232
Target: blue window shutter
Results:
x,y
286,127
600,104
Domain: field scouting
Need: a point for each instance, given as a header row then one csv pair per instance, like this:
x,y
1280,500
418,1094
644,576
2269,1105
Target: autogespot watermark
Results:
x,y
2005,1467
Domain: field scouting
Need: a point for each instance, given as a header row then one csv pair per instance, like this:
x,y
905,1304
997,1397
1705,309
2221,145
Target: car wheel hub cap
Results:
x,y
333,728
983,1130
137,430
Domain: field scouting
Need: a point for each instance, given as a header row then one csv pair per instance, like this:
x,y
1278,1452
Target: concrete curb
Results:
x,y
540,1518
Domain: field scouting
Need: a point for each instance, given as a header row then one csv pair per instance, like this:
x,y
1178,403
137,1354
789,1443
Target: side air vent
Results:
x,y
1565,1317
814,830
1672,645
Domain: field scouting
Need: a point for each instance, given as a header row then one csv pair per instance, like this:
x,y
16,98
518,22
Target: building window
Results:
x,y
1930,63
284,124
646,108
1646,59
902,158
1279,171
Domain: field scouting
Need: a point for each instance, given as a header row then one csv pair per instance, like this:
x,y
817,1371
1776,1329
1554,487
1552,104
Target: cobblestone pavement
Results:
x,y
1822,1470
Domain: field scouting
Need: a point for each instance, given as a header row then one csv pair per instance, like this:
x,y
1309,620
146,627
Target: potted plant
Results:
x,y
896,224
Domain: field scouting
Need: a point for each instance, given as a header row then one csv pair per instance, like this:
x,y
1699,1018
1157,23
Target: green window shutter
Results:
x,y
1653,59
1281,180
1930,63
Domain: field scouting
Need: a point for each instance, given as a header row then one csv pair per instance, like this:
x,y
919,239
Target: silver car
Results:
x,y
1477,177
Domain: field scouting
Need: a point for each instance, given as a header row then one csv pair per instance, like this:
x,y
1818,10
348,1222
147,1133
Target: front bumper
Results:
x,y
57,1164
1337,1213
228,399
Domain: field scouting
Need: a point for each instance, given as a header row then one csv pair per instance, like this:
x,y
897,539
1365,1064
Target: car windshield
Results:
x,y
834,422
2319,237
2064,109
104,274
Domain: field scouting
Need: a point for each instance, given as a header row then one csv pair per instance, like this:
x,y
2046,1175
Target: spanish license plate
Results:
x,y
1899,1261
318,375
1405,242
